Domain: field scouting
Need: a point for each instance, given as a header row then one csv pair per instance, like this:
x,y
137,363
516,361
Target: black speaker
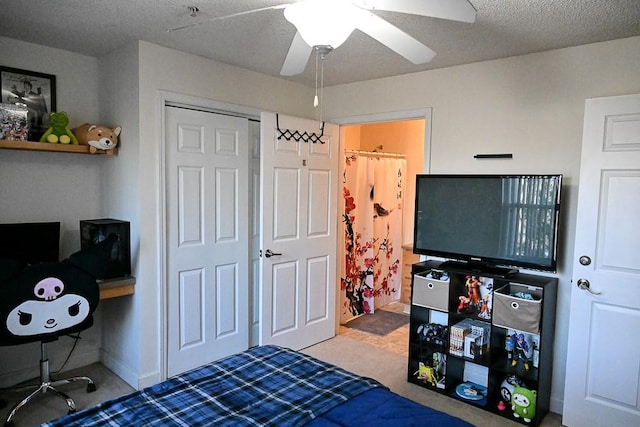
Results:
x,y
93,231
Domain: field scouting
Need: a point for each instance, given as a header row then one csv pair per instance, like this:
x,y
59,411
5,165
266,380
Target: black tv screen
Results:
x,y
489,220
30,243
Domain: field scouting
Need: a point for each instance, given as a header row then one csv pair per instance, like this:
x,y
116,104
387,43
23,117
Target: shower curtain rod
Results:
x,y
374,153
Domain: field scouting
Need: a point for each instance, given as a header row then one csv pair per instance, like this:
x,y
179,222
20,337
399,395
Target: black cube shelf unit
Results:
x,y
482,337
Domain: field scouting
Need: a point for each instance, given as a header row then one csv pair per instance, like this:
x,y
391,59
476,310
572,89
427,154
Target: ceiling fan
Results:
x,y
323,25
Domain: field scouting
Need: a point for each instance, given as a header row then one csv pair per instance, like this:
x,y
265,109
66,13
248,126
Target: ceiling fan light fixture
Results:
x,y
323,22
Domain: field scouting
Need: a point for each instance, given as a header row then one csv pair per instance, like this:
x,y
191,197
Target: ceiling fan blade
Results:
x,y
297,57
233,15
455,10
395,39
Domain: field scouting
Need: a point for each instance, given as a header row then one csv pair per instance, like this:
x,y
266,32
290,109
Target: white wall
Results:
x,y
161,71
531,106
122,88
119,106
42,186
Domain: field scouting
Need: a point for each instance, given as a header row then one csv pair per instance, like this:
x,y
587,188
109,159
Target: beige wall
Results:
x,y
531,106
402,137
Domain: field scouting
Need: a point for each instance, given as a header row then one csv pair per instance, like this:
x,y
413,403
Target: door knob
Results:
x,y
269,253
586,286
584,260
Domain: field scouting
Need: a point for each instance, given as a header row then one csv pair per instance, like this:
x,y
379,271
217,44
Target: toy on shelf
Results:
x,y
473,290
507,387
509,346
97,137
485,313
477,297
59,131
427,374
521,351
523,403
433,370
465,303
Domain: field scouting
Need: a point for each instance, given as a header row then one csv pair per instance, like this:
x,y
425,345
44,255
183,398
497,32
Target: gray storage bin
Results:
x,y
517,313
429,292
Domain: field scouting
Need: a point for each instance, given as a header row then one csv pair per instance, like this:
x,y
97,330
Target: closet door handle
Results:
x,y
269,253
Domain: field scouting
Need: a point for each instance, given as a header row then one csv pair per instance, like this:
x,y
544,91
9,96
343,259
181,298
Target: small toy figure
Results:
x,y
507,387
523,403
484,308
508,346
521,351
464,303
473,290
426,374
59,131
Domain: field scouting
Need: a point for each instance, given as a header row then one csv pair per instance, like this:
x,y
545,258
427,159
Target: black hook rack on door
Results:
x,y
299,136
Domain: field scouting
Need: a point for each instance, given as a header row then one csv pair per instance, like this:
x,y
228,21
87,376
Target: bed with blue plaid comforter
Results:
x,y
263,386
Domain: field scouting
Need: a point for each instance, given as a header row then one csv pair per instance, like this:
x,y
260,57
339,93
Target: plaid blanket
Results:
x,y
264,386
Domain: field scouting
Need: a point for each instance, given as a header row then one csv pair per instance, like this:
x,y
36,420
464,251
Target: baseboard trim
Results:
x,y
114,364
127,374
556,405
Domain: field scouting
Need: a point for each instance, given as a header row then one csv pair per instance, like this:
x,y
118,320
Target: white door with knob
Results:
x,y
299,194
602,385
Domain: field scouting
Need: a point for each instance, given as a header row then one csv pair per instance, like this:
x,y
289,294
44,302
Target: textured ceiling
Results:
x,y
260,41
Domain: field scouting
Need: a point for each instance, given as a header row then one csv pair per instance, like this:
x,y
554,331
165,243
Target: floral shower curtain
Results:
x,y
373,188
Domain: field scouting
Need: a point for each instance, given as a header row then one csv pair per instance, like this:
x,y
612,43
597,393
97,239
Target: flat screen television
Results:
x,y
494,223
30,242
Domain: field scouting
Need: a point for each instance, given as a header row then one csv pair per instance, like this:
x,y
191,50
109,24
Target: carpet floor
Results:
x,y
383,357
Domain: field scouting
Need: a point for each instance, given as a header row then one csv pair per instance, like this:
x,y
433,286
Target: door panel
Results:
x,y
319,193
226,205
286,206
192,296
318,288
603,360
207,237
285,299
299,193
190,193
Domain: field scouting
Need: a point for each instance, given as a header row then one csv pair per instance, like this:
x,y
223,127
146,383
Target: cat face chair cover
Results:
x,y
44,301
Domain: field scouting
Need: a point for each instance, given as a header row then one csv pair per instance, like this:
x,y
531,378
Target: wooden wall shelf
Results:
x,y
57,148
113,288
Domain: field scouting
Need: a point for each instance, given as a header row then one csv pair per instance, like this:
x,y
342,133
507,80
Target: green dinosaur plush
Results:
x,y
58,130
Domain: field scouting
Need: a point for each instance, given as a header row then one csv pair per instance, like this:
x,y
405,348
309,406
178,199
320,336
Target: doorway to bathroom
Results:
x,y
380,158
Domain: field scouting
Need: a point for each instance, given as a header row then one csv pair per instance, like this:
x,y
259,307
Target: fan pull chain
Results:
x,y
315,98
321,92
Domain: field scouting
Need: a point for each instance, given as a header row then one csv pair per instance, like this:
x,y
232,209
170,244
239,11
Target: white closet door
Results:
x,y
207,172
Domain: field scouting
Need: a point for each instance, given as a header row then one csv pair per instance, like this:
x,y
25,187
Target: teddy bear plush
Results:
x,y
98,137
58,130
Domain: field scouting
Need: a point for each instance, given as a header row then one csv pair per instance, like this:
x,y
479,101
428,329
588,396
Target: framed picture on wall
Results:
x,y
37,91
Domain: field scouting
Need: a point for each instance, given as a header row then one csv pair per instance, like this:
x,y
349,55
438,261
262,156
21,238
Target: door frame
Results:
x,y
202,104
391,116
